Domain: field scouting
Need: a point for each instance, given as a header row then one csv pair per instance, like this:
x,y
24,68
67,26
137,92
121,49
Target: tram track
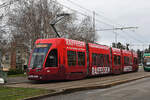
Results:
x,y
85,82
61,87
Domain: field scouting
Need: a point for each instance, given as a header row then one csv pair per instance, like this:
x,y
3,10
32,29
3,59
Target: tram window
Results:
x,y
101,60
52,59
94,60
131,61
119,60
81,58
105,61
104,57
108,61
126,60
98,60
135,61
71,58
115,60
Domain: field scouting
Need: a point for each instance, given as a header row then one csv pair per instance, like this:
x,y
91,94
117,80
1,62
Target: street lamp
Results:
x,y
57,19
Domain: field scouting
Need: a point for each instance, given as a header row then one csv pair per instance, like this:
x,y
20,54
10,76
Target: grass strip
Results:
x,y
11,93
18,75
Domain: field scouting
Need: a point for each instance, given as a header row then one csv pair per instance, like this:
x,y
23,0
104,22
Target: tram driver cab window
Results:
x,y
51,60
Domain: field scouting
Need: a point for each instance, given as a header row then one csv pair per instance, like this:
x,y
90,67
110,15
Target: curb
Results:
x,y
9,83
44,95
71,90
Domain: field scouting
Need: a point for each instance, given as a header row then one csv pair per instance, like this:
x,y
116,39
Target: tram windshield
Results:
x,y
147,61
38,55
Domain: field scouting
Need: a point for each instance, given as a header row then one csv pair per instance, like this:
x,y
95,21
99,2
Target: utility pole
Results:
x,y
115,34
94,23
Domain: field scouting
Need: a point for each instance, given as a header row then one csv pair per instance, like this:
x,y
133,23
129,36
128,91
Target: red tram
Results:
x,y
66,59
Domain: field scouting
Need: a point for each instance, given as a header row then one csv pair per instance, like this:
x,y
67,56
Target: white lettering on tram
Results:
x,y
127,68
76,48
74,43
98,46
126,52
100,70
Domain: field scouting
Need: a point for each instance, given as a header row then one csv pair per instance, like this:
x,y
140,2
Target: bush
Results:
x,y
15,71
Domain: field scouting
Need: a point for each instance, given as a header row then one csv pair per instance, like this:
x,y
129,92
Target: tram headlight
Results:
x,y
33,76
48,71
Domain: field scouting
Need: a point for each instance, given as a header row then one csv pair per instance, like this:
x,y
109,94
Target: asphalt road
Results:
x,y
136,90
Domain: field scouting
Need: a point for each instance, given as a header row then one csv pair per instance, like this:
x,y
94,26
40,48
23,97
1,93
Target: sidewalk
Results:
x,y
22,79
89,82
15,80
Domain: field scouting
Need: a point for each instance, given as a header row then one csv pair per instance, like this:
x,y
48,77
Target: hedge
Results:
x,y
15,71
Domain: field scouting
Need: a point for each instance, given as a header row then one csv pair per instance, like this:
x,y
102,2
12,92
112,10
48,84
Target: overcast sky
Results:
x,y
119,13
127,13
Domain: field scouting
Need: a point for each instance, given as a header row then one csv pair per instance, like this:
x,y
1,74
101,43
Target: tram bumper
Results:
x,y
46,74
146,68
45,77
35,77
34,74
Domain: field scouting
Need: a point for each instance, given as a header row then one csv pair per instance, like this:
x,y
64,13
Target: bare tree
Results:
x,y
82,31
29,20
86,30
